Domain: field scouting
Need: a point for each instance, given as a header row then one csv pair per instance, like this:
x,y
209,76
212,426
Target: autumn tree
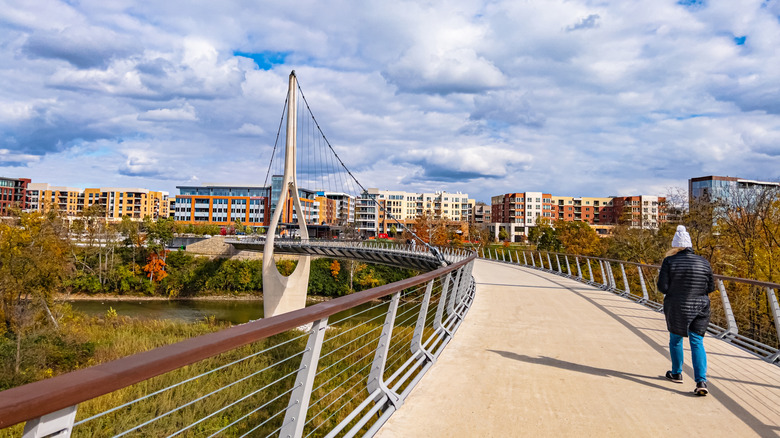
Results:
x,y
35,259
577,237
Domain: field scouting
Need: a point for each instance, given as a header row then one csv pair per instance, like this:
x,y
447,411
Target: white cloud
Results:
x,y
184,113
570,97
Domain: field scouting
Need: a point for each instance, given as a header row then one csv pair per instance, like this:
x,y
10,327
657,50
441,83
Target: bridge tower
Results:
x,y
283,294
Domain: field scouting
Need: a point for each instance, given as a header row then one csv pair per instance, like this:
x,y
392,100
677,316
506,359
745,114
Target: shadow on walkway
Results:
x,y
600,372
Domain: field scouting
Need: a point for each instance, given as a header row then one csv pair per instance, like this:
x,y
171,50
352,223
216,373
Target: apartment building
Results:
x,y
480,213
643,211
223,204
592,210
113,202
135,203
13,193
518,212
406,207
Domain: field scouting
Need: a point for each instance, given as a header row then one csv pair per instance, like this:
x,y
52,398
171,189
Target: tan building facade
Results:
x,y
112,202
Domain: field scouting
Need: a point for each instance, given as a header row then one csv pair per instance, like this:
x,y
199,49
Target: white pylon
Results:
x,y
283,294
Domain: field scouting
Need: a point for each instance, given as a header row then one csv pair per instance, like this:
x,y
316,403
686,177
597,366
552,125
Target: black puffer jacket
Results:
x,y
686,280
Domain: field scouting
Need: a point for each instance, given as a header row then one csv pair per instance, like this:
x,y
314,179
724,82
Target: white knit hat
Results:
x,y
681,238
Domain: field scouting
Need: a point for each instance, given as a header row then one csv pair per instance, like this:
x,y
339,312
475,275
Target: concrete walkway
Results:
x,y
542,355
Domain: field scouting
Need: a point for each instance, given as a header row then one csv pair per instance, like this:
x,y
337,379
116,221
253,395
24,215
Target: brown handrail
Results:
x,y
33,400
717,276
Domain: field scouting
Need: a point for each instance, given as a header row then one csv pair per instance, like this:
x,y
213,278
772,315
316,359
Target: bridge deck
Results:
x,y
542,355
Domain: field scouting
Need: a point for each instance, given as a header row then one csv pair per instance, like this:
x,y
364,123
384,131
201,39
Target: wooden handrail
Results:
x,y
33,400
717,276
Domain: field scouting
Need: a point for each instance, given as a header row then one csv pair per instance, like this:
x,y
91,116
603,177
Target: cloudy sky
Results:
x,y
577,98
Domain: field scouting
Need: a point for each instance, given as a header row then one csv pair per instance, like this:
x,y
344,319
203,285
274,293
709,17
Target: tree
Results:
x,y
423,226
35,259
155,268
502,234
578,238
393,231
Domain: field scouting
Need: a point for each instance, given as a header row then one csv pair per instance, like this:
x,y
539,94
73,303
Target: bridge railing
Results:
x,y
338,367
450,254
757,330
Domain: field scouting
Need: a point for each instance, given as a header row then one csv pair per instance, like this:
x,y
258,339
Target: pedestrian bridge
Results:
x,y
542,355
523,346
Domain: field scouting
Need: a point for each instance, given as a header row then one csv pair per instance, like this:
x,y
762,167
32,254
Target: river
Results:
x,y
232,311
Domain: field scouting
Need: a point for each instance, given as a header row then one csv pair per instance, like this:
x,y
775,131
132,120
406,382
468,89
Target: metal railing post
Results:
x,y
549,263
568,266
579,270
612,283
558,261
603,274
455,286
533,262
437,322
525,260
590,271
510,257
503,256
376,375
626,288
731,322
517,256
295,416
645,296
772,300
541,260
56,424
418,328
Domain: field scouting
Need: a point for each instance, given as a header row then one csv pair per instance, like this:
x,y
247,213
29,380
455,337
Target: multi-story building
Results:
x,y
725,188
592,210
44,197
135,203
344,207
643,211
518,212
378,210
112,203
480,213
13,193
223,204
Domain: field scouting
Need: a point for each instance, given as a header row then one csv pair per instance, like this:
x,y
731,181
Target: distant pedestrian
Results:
x,y
686,281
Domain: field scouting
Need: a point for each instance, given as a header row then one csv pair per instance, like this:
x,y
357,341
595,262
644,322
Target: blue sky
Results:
x,y
580,98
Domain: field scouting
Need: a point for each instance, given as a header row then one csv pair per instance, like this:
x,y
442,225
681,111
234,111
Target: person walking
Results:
x,y
686,280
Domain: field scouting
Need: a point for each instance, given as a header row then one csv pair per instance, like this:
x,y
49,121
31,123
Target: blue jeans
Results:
x,y
698,355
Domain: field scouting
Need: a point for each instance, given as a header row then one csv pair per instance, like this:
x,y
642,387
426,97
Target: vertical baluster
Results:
x,y
549,263
626,290
558,261
533,262
59,424
437,322
603,274
510,256
376,375
295,416
645,296
772,300
731,322
420,326
525,260
455,286
568,266
503,257
590,271
612,283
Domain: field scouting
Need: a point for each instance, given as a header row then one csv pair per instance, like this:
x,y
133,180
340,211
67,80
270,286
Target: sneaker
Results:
x,y
701,388
676,378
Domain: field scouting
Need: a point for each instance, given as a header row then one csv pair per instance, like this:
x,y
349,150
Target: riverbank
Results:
x,y
111,297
